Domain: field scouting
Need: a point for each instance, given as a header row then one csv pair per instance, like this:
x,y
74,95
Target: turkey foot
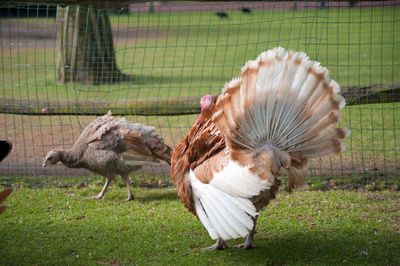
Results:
x,y
131,197
219,245
95,197
249,243
101,194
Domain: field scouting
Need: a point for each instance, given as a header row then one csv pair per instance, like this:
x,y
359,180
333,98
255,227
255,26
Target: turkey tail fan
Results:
x,y
285,101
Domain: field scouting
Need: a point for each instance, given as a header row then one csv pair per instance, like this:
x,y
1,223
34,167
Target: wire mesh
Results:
x,y
63,64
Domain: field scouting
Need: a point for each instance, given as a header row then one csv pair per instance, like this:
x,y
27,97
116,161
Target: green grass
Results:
x,y
58,226
180,54
374,133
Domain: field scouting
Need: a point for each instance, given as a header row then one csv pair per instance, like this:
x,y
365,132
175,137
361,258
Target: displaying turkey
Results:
x,y
278,113
111,146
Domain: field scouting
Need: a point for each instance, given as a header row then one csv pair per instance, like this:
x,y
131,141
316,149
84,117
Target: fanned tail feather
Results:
x,y
282,101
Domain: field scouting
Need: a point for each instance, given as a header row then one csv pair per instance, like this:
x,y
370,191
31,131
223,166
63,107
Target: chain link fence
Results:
x,y
62,65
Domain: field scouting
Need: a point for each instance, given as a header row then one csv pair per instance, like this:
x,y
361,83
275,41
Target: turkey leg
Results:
x,y
101,194
128,185
249,243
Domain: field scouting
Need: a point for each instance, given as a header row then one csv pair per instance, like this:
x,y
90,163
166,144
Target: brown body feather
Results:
x,y
201,144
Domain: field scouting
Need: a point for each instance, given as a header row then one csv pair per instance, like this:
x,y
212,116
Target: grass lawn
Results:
x,y
58,226
183,54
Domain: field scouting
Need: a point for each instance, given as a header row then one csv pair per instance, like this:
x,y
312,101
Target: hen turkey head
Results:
x,y
51,158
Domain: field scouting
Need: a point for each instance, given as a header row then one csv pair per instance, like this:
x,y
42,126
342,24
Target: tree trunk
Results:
x,y
85,46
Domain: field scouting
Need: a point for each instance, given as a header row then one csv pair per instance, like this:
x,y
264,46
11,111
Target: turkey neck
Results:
x,y
69,158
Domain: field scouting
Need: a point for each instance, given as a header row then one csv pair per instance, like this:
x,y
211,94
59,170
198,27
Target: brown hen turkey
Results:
x,y
279,112
113,146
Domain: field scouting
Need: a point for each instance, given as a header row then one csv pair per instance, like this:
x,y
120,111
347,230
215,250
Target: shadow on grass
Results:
x,y
27,245
116,194
320,247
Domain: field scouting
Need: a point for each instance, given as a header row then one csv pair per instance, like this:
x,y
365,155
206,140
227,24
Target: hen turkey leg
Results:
x,y
101,194
249,243
128,185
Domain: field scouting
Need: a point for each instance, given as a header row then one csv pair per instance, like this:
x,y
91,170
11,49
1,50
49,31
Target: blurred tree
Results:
x,y
85,46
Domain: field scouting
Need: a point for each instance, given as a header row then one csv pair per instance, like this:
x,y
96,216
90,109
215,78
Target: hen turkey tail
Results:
x,y
164,152
285,105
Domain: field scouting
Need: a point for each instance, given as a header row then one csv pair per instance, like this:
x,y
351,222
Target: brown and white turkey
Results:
x,y
113,146
281,111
